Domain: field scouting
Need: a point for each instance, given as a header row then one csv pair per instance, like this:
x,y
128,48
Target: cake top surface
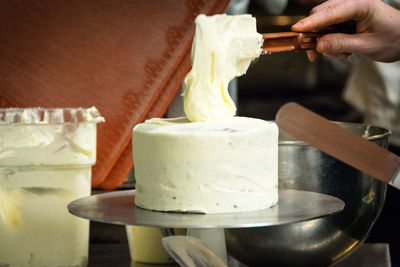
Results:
x,y
182,125
222,49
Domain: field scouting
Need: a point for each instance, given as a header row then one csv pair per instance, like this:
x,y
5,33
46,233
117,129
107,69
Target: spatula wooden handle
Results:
x,y
338,142
288,41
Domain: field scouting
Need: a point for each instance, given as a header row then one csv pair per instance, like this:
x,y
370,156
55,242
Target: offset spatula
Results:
x,y
340,143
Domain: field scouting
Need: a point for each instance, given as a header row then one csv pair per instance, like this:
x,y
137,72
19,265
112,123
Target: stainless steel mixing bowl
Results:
x,y
324,241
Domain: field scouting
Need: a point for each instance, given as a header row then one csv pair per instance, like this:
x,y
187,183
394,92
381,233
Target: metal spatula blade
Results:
x,y
340,143
189,251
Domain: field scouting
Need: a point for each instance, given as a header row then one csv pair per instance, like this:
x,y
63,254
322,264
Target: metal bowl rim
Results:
x,y
375,137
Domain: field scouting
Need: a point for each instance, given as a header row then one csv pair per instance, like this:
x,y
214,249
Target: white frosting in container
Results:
x,y
46,157
37,136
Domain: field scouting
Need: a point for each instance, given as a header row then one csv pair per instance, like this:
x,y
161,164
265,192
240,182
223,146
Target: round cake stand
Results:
x,y
119,208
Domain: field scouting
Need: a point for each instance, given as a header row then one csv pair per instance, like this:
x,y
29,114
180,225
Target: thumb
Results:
x,y
344,43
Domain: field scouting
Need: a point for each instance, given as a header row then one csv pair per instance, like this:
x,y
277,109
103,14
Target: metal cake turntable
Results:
x,y
119,208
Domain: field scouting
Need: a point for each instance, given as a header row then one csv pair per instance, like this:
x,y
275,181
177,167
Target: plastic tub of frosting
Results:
x,y
46,156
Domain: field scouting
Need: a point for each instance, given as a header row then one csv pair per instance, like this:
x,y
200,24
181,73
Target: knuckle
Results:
x,y
314,10
362,10
339,45
331,12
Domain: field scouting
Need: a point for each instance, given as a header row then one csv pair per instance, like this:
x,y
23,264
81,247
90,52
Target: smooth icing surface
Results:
x,y
206,167
222,49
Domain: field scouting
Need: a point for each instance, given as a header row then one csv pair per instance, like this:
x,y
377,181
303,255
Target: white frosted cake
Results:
x,y
206,167
211,161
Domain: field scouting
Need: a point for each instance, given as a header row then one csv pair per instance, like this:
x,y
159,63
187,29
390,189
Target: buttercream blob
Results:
x,y
223,49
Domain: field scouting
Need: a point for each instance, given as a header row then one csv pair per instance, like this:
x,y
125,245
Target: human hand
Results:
x,y
377,31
